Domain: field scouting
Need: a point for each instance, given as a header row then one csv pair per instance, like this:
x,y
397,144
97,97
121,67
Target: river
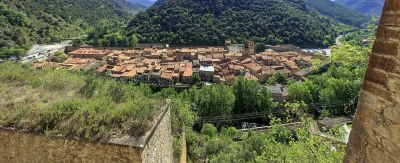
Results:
x,y
325,51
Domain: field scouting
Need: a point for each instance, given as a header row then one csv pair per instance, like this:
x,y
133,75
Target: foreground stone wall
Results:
x,y
375,136
23,147
159,148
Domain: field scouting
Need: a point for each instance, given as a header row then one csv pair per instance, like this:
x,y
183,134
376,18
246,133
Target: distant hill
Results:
x,y
130,7
211,22
338,12
24,22
372,7
159,2
146,3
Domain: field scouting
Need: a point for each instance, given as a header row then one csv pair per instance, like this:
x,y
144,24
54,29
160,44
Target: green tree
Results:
x,y
116,91
89,87
214,100
209,130
261,47
196,79
133,41
251,97
300,92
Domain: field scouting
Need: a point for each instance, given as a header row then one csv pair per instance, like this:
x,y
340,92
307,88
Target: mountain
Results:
x,y
146,3
371,7
25,22
338,12
159,2
207,22
130,7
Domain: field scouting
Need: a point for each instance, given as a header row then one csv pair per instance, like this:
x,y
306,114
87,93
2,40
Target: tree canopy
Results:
x,y
212,22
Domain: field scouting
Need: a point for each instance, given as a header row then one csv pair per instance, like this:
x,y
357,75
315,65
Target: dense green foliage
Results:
x,y
25,22
92,108
372,7
335,89
245,96
251,97
130,7
214,100
336,11
73,104
109,34
279,144
212,22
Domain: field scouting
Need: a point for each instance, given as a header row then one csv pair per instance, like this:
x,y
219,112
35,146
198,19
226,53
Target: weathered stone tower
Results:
x,y
250,48
376,129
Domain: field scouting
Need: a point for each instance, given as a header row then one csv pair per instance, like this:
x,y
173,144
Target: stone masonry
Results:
x,y
159,148
27,147
376,129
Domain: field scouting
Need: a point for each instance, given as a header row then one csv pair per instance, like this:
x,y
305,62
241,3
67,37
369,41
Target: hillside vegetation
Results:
x,y
25,22
212,22
371,7
338,12
73,104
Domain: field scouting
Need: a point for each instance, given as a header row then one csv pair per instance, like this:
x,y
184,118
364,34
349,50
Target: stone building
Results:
x,y
250,48
375,136
154,146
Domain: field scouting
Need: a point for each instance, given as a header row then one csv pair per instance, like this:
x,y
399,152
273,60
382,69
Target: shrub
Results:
x,y
13,73
89,87
116,91
209,130
61,80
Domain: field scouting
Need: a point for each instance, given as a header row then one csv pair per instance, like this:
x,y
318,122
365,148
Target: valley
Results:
x,y
237,80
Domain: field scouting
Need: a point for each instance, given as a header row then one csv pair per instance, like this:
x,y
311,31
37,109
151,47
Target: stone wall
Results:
x,y
23,147
26,147
375,136
159,148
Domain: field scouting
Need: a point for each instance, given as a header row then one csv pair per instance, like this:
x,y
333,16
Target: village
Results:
x,y
182,66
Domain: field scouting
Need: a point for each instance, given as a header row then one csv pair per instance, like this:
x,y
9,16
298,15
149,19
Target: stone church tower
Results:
x,y
376,129
250,48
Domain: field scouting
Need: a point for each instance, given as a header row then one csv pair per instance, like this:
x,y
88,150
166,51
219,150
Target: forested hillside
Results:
x,y
24,22
372,7
338,12
211,22
130,7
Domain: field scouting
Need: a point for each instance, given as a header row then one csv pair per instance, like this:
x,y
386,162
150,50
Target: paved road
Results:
x,y
42,48
40,53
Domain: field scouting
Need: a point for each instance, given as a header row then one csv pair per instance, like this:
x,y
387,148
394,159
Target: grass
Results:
x,y
72,104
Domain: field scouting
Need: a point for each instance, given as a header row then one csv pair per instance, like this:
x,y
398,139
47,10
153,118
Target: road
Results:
x,y
42,48
41,52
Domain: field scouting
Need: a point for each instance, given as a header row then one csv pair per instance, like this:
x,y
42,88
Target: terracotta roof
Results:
x,y
129,74
253,66
175,75
250,77
102,69
166,75
76,61
248,60
268,70
90,51
116,75
141,70
218,56
188,72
